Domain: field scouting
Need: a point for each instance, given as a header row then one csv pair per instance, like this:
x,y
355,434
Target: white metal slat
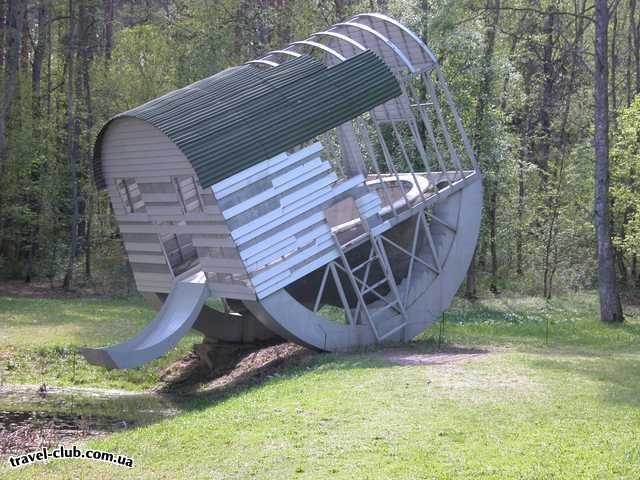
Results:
x,y
319,234
251,230
204,242
293,260
144,258
297,274
302,170
301,193
281,235
281,246
281,184
239,180
142,247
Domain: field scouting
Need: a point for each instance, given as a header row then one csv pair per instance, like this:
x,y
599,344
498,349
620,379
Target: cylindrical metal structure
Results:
x,y
327,192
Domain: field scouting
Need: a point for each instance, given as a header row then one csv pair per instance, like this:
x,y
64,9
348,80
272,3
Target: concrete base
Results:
x,y
232,327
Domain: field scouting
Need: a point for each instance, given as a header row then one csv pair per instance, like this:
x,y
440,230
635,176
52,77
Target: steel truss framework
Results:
x,y
426,110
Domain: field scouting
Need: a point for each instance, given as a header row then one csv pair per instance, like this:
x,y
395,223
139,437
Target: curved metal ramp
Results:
x,y
173,321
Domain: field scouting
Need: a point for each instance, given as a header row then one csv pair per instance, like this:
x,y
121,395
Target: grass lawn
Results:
x,y
39,337
527,410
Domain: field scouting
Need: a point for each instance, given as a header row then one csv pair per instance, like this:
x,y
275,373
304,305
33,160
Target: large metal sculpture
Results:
x,y
326,192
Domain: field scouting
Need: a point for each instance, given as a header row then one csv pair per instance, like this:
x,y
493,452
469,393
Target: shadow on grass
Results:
x,y
298,361
617,377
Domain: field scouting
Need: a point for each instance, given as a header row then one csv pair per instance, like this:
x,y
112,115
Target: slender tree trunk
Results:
x,y
108,29
36,70
520,212
492,6
622,267
493,242
12,40
87,21
618,252
49,68
73,133
527,133
614,65
635,35
284,22
3,24
544,146
629,66
470,286
13,34
551,247
36,114
610,306
425,9
383,6
340,9
482,255
24,42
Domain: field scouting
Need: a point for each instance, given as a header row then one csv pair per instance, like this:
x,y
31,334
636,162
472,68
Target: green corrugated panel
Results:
x,y
244,115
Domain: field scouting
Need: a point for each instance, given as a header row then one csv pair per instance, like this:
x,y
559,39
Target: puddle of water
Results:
x,y
67,413
67,422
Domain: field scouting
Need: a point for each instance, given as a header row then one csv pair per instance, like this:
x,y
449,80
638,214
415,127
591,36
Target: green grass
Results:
x,y
527,410
39,337
564,323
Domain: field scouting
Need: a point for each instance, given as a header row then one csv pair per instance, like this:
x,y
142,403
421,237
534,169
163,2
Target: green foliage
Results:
x,y
624,173
541,176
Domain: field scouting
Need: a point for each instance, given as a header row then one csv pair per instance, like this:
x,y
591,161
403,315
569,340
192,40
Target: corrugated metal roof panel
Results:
x,y
244,115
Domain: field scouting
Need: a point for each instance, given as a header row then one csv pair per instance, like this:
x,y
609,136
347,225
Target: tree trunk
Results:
x,y
36,114
108,29
635,36
544,145
527,132
610,306
470,288
36,71
520,212
284,22
493,200
551,247
24,42
73,133
3,23
481,109
87,17
628,81
13,34
340,11
383,6
614,65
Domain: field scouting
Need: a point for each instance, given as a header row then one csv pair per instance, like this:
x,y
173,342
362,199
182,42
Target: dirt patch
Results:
x,y
250,366
450,355
18,288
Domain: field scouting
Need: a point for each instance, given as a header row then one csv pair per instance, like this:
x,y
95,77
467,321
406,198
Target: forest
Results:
x,y
547,89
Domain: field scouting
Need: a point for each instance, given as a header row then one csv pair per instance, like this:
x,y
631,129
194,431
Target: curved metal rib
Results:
x,y
264,62
393,22
329,33
384,39
283,52
321,47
